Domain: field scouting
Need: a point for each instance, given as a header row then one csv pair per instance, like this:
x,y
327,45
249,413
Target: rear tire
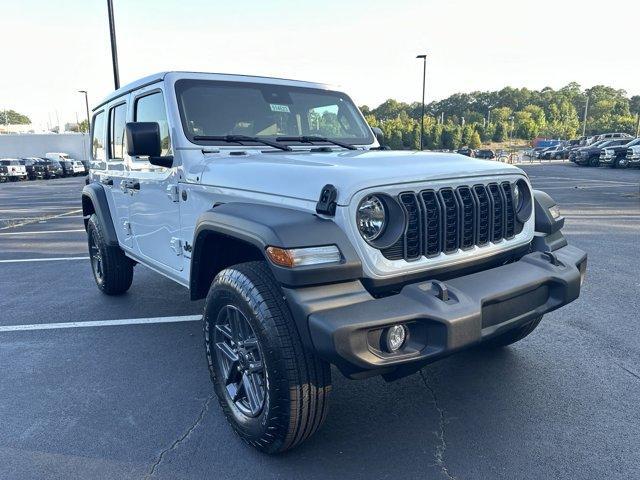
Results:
x,y
275,393
512,336
112,269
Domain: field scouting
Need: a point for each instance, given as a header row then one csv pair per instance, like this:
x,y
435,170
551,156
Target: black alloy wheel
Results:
x,y
96,256
240,361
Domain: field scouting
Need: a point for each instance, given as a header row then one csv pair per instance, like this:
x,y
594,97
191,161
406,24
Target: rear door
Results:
x,y
116,177
155,209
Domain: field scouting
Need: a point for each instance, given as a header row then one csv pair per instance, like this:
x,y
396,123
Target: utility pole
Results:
x,y
114,48
424,78
638,125
584,120
86,104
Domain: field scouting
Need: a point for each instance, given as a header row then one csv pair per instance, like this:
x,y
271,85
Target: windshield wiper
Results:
x,y
239,139
313,138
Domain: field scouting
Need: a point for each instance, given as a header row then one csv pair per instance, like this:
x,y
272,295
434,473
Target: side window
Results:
x,y
97,139
117,120
150,108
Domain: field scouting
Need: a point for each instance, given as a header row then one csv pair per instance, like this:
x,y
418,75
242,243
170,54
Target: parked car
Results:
x,y
485,154
13,170
311,245
466,151
35,169
550,152
53,169
79,168
616,157
591,155
70,166
536,151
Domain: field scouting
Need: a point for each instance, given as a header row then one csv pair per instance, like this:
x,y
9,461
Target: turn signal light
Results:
x,y
299,257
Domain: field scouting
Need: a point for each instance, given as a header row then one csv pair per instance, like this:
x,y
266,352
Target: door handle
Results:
x,y
130,185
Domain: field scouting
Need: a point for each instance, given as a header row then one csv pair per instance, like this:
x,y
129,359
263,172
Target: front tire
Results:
x,y
594,162
112,269
273,391
512,336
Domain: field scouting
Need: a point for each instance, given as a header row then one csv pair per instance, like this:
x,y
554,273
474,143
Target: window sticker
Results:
x,y
279,108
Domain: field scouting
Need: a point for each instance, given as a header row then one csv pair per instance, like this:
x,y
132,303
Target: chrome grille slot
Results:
x,y
432,216
450,215
467,217
483,214
413,232
509,215
497,206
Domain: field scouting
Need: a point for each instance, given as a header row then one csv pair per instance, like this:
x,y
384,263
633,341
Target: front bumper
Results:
x,y
345,323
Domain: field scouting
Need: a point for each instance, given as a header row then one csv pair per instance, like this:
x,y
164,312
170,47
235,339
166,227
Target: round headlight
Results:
x,y
371,217
522,201
517,198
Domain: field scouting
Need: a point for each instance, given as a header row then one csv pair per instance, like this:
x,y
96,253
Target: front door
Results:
x,y
154,211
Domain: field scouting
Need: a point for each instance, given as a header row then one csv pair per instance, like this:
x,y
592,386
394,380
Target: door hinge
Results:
x,y
126,225
176,245
172,193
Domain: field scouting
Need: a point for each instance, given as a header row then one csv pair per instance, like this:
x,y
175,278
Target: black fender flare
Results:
x,y
265,225
94,200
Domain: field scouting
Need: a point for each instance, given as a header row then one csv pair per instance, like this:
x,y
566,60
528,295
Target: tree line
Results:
x,y
471,119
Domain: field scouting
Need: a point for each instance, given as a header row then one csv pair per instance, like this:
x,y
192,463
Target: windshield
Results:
x,y
9,162
214,108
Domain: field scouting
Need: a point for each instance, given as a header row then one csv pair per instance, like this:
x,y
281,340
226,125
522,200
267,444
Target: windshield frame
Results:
x,y
182,83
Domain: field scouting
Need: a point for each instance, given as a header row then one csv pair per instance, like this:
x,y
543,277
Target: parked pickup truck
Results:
x,y
590,155
616,157
12,170
633,156
273,200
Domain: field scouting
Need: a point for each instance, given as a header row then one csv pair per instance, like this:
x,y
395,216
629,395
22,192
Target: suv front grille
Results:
x,y
446,220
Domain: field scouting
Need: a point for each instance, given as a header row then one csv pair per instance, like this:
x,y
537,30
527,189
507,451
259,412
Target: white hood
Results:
x,y
302,174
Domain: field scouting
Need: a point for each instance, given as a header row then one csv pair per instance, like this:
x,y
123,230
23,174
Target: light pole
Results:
x,y
424,79
86,104
584,121
114,48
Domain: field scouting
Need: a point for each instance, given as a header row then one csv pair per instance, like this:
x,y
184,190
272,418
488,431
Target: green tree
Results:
x,y
13,118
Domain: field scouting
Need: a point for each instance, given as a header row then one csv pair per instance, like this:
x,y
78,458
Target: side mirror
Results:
x,y
143,140
380,137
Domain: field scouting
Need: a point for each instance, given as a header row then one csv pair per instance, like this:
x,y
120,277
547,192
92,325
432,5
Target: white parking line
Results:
x,y
59,215
56,259
43,231
100,323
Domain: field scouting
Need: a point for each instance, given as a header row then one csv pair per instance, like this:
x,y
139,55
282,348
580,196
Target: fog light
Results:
x,y
394,337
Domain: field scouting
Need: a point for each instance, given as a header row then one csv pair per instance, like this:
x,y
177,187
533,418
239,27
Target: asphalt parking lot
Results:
x,y
134,400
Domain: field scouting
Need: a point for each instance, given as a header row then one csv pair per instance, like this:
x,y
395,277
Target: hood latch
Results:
x,y
327,203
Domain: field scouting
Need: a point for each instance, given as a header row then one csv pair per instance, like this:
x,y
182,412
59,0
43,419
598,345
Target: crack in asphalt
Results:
x,y
631,372
181,438
441,448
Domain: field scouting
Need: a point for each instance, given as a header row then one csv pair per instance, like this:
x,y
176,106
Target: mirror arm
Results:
x,y
165,161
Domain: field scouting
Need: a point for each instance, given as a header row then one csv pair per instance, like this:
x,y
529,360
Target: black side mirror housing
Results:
x,y
380,137
143,140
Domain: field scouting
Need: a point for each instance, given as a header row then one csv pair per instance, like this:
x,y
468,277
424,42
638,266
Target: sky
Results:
x,y
51,49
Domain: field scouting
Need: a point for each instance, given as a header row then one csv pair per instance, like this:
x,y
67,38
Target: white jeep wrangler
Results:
x,y
311,243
